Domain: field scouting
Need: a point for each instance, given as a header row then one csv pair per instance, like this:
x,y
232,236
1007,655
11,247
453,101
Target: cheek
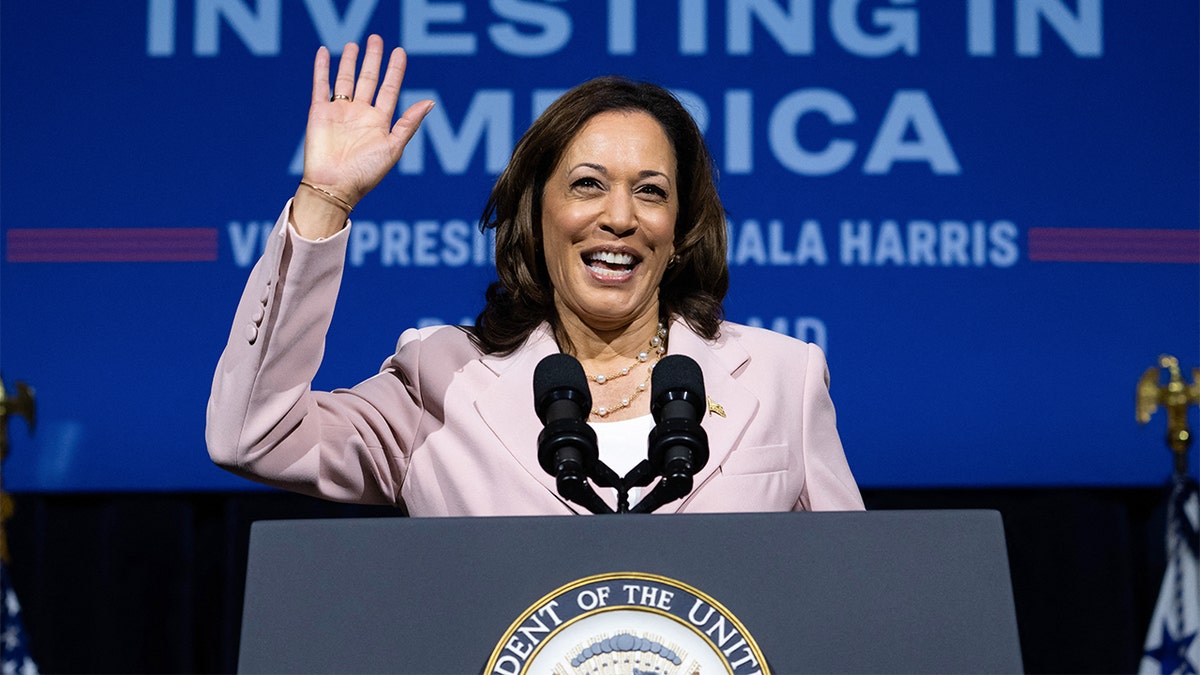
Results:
x,y
556,248
662,222
664,231
552,251
562,229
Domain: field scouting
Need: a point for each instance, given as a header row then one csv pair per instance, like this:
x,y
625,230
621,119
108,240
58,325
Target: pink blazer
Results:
x,y
444,430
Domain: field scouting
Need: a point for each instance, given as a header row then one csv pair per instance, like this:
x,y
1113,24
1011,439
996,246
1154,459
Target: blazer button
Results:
x,y
266,294
251,333
257,316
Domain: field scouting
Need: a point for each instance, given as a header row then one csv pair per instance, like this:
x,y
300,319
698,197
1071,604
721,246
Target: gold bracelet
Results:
x,y
329,197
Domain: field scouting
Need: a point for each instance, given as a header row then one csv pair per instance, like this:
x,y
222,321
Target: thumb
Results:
x,y
410,121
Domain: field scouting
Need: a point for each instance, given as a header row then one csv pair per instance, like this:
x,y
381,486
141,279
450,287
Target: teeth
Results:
x,y
613,258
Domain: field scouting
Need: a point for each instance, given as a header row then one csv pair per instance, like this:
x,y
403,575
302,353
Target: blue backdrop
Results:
x,y
986,211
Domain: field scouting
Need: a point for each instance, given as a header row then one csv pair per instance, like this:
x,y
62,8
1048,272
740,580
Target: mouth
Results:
x,y
611,264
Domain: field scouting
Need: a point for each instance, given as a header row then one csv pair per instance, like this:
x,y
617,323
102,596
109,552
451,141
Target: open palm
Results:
x,y
351,143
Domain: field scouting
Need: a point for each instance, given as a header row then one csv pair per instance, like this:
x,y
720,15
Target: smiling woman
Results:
x,y
608,222
610,246
626,160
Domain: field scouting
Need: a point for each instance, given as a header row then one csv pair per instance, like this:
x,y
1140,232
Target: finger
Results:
x,y
368,77
389,92
344,84
320,90
408,123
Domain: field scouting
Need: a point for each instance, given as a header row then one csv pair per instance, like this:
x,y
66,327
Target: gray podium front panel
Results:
x,y
887,591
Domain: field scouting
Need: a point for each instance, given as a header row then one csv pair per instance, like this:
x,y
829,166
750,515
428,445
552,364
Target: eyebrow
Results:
x,y
644,173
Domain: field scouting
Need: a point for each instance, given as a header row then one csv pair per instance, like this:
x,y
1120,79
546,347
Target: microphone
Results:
x,y
567,446
678,444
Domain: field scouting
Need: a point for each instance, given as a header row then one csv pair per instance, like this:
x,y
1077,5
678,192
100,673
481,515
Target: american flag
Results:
x,y
1173,640
14,648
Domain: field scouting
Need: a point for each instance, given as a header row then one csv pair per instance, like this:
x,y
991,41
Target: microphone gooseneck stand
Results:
x,y
678,444
567,448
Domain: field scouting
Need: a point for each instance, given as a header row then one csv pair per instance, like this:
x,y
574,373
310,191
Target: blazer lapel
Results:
x,y
507,406
718,361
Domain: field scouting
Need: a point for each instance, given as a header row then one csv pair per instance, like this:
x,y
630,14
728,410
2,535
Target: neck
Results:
x,y
618,365
605,344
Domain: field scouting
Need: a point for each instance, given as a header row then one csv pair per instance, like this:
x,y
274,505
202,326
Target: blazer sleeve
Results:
x,y
828,482
264,421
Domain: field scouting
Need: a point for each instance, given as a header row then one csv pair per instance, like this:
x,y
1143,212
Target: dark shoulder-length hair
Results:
x,y
692,288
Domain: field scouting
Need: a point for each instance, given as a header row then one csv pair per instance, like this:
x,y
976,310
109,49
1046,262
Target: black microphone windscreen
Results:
x,y
677,376
555,373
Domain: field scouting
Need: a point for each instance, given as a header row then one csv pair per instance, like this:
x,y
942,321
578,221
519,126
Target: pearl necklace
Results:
x,y
658,346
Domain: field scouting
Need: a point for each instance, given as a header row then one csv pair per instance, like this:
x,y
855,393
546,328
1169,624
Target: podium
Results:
x,y
886,591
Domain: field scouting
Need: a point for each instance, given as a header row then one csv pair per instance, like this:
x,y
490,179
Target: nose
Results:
x,y
620,215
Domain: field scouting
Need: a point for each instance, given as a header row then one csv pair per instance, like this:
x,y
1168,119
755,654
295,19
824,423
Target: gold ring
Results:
x,y
340,97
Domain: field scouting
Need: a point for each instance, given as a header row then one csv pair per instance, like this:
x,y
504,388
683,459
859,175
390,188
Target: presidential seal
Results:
x,y
626,623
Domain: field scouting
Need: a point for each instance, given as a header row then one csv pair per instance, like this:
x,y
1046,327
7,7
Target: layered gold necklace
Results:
x,y
658,347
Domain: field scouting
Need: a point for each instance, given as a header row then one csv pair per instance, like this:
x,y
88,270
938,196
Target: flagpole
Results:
x,y
22,404
1173,637
1176,396
14,650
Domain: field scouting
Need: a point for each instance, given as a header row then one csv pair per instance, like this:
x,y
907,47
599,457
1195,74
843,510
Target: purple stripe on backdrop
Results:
x,y
1060,244
194,244
201,244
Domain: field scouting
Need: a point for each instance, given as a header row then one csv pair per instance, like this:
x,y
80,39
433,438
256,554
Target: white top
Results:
x,y
622,445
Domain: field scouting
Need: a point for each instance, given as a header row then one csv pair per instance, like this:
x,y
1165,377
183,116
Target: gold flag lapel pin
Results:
x,y
714,407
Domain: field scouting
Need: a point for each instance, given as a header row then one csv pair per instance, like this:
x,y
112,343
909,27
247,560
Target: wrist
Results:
x,y
328,196
316,216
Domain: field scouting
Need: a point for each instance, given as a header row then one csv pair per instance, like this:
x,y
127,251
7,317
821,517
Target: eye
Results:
x,y
653,190
587,182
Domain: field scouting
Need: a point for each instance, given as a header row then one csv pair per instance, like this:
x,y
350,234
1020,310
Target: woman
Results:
x,y
610,244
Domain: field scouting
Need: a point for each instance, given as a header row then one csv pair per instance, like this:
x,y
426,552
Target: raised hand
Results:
x,y
351,143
